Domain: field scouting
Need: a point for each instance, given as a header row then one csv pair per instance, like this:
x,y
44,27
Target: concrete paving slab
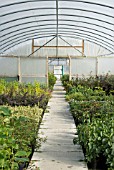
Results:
x,y
58,128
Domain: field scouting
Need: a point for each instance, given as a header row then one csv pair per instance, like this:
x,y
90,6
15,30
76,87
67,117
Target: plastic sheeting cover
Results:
x,y
23,20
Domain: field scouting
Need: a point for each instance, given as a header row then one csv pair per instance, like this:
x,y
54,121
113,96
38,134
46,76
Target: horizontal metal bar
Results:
x,y
48,15
29,1
15,36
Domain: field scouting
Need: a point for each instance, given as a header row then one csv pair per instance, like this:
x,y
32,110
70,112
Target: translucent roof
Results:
x,y
23,20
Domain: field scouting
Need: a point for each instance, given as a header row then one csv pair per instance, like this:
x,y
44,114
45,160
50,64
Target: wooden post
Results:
x,y
69,68
82,47
47,71
96,66
32,45
19,70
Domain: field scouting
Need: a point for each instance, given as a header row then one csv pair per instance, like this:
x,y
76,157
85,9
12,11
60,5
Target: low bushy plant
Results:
x,y
18,132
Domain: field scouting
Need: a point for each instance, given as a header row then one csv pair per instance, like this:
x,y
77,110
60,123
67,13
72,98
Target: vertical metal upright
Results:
x,y
57,30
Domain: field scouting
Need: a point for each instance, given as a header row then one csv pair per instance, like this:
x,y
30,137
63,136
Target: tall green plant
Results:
x,y
51,80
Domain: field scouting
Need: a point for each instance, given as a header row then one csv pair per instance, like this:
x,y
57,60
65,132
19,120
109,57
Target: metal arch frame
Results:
x,y
76,9
24,36
24,23
86,39
92,40
28,39
35,26
62,14
86,36
102,41
32,16
77,37
9,40
75,34
93,3
91,18
32,34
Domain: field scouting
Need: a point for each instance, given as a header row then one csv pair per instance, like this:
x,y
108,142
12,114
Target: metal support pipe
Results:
x,y
41,46
72,46
57,28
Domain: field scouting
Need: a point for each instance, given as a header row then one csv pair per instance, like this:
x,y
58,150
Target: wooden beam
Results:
x,y
82,47
69,68
47,71
35,46
32,45
97,66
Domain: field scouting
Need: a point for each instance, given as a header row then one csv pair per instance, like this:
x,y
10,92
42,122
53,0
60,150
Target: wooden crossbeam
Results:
x,y
58,46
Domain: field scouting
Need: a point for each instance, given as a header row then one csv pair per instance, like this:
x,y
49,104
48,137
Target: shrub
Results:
x,y
51,80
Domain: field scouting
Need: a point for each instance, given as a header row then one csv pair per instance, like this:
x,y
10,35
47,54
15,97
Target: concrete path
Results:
x,y
58,152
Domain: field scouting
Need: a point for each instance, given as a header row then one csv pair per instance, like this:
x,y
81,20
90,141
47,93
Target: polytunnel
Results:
x,y
58,28
56,84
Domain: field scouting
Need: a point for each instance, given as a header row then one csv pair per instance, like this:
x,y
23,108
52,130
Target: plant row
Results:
x,y
93,112
106,82
21,110
16,94
18,131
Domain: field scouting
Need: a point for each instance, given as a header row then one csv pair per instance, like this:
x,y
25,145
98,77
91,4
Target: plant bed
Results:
x,y
21,111
18,131
93,112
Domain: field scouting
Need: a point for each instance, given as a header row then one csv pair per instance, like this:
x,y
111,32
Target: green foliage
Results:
x,y
65,78
93,112
16,94
51,80
105,82
18,132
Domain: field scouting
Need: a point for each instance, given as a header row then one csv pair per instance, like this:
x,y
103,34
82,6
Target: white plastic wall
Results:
x,y
33,69
83,67
8,67
28,69
106,65
91,66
